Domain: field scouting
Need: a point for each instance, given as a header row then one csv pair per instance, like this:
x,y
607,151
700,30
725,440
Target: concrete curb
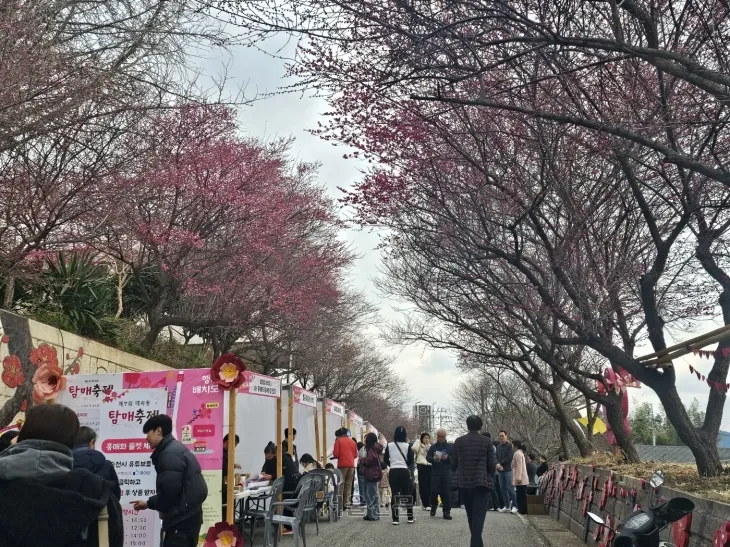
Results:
x,y
551,532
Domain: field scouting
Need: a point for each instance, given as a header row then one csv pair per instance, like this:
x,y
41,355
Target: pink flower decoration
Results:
x,y
223,535
227,371
48,381
44,355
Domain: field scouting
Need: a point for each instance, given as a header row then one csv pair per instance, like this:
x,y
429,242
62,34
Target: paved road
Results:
x,y
501,530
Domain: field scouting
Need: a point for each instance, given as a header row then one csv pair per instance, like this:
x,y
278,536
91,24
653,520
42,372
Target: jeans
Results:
x,y
507,488
400,486
424,484
371,498
441,486
475,503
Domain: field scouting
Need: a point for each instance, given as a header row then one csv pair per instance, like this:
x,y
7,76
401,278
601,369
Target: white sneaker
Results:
x,y
503,510
396,523
514,511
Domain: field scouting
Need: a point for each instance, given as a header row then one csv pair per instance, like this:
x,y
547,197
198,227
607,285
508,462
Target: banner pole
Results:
x,y
230,472
324,432
290,440
316,433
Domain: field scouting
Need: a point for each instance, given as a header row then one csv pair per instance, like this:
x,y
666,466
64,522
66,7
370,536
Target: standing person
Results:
x,y
384,487
360,473
181,488
345,452
531,468
87,457
439,456
399,457
474,463
495,499
420,451
372,474
44,501
225,470
520,478
543,467
504,475
295,456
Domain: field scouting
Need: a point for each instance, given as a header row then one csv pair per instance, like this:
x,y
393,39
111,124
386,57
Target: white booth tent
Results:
x,y
255,419
305,405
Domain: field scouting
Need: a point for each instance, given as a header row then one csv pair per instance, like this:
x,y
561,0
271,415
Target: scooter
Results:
x,y
641,528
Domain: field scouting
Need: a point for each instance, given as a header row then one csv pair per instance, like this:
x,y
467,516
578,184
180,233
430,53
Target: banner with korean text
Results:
x,y
196,407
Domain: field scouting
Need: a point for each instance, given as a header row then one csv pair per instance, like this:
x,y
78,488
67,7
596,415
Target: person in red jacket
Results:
x,y
345,452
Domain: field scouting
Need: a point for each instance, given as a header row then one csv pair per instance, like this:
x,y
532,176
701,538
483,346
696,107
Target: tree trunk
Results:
x,y
9,292
702,445
615,418
120,297
20,345
568,424
151,337
564,444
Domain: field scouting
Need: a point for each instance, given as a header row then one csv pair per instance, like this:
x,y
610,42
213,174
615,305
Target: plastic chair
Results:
x,y
259,513
306,498
331,491
318,482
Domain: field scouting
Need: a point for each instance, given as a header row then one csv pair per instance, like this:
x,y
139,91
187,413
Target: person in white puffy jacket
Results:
x,y
420,451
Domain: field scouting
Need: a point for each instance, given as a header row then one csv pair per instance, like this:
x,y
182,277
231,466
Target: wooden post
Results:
x,y
230,472
290,441
279,453
316,433
324,432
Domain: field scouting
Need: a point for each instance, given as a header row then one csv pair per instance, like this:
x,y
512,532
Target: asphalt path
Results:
x,y
500,530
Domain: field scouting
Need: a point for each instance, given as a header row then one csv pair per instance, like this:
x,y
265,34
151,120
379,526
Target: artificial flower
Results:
x,y
223,535
48,381
227,371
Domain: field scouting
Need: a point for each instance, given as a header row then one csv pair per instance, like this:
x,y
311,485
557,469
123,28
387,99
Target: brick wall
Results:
x,y
564,504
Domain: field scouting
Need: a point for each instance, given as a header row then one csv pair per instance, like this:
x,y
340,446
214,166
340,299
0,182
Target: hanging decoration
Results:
x,y
719,386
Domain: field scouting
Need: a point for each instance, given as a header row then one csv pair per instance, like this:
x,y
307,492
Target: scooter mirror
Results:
x,y
595,518
657,479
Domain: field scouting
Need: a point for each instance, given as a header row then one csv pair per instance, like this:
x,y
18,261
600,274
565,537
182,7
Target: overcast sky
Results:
x,y
430,375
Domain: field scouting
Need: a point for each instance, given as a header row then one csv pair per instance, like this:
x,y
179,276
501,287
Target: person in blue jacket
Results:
x,y
86,456
439,456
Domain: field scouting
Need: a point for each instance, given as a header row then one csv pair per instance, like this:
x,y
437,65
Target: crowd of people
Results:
x,y
51,469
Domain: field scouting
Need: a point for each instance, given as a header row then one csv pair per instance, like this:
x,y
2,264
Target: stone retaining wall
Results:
x,y
567,503
29,340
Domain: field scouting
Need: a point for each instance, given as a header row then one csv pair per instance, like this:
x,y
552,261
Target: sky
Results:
x,y
431,375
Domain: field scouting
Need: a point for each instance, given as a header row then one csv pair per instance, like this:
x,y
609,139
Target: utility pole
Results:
x,y
653,425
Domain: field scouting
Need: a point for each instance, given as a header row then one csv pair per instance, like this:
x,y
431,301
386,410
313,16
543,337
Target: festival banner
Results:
x,y
195,405
333,407
258,384
356,420
303,397
125,446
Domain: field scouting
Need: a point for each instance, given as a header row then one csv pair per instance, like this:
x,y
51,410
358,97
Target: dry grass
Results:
x,y
676,476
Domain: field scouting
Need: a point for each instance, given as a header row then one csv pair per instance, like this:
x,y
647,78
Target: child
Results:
x,y
384,487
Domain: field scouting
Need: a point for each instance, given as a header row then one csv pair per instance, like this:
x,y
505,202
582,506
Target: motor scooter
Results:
x,y
641,528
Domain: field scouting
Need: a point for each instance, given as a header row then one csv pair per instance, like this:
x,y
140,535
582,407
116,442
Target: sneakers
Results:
x,y
514,511
396,523
503,510
425,507
412,520
447,517
287,532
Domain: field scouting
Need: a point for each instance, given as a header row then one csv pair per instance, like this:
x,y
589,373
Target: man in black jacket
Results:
x,y
439,456
87,457
474,463
504,475
181,489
